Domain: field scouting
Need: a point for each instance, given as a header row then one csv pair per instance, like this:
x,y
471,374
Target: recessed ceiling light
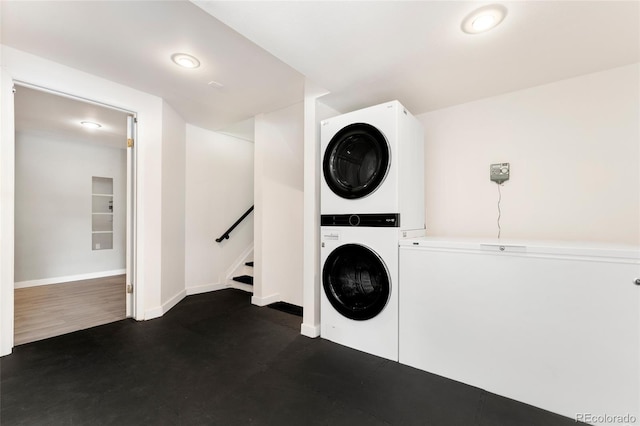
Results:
x,y
90,125
185,61
483,19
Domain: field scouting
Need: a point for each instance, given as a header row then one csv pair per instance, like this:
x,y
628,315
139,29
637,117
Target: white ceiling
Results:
x,y
362,52
46,115
131,42
367,52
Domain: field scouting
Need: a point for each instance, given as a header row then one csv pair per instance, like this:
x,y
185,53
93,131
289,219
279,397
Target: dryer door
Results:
x,y
356,281
356,161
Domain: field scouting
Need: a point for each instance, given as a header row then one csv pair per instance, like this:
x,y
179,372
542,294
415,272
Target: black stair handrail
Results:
x,y
225,236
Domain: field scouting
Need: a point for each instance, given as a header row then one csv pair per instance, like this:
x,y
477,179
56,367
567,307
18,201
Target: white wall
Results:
x,y
219,188
279,186
173,207
53,185
314,113
574,153
38,71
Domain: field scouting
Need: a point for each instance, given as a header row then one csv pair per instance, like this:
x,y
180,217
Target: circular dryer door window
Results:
x,y
356,282
356,161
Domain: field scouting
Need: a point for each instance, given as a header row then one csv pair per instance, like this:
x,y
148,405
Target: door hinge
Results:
x,y
130,143
129,288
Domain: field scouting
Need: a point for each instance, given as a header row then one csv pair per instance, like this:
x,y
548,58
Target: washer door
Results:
x,y
356,282
356,161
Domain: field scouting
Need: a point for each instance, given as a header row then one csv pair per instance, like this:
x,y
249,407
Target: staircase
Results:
x,y
245,280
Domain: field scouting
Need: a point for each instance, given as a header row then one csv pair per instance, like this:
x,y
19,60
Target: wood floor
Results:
x,y
51,310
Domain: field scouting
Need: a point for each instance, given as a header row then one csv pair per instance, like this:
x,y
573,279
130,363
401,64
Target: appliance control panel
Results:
x,y
499,172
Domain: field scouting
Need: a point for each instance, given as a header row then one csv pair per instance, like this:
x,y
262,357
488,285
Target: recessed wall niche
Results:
x,y
101,213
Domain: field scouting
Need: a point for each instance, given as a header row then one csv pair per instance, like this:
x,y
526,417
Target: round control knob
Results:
x,y
354,220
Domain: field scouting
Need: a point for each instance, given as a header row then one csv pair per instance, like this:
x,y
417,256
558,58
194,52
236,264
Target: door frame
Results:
x,y
7,186
7,192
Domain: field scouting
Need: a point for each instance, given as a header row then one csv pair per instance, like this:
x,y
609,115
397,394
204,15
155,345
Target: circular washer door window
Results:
x,y
356,282
356,161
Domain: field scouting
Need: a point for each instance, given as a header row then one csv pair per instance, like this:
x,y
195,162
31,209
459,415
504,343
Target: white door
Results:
x,y
7,147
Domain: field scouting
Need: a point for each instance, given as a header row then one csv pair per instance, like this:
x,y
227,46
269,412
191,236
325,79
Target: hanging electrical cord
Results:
x,y
499,212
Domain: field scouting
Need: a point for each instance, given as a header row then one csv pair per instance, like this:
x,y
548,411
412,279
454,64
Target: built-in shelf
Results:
x,y
101,213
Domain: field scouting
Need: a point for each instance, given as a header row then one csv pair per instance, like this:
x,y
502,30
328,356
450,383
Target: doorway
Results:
x,y
74,214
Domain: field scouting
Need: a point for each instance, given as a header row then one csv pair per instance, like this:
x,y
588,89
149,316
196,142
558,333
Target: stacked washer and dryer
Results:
x,y
371,196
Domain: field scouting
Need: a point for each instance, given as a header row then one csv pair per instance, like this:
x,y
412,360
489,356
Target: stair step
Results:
x,y
249,263
245,279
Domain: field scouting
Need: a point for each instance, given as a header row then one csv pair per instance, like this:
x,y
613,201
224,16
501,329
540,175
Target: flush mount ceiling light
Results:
x,y
483,19
90,125
185,61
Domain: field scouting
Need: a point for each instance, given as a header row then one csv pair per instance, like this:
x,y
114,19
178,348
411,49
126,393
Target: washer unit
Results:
x,y
359,296
373,162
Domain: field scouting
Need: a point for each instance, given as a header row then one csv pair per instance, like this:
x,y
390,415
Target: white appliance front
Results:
x,y
373,162
552,324
359,294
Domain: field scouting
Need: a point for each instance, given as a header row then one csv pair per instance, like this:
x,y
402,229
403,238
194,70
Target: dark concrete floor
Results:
x,y
215,359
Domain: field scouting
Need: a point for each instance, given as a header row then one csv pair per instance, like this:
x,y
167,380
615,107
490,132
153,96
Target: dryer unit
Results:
x,y
373,162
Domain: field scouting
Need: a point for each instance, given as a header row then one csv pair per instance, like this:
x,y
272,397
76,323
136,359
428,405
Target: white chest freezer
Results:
x,y
554,325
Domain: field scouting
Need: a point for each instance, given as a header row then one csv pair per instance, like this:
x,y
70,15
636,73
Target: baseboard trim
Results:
x,y
159,311
173,301
69,278
264,301
310,330
153,313
205,288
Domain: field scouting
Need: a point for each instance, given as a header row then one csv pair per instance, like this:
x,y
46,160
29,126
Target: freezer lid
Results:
x,y
532,247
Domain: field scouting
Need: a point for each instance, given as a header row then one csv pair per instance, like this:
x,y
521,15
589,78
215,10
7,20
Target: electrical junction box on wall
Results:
x,y
499,172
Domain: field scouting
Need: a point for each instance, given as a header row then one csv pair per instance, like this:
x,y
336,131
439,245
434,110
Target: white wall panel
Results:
x,y
574,154
279,187
53,207
314,112
173,204
219,188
